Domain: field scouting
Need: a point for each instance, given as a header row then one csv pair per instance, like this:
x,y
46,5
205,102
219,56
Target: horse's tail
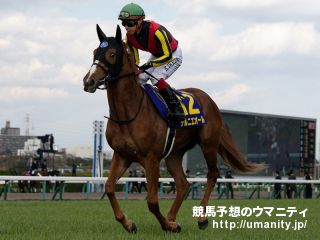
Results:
x,y
230,153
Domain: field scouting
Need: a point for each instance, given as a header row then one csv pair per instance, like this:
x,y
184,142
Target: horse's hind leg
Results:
x,y
118,166
210,154
174,166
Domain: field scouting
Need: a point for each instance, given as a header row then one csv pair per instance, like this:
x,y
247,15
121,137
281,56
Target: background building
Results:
x,y
83,151
10,131
282,142
11,140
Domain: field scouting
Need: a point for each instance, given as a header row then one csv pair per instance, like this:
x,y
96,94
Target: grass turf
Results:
x,y
94,220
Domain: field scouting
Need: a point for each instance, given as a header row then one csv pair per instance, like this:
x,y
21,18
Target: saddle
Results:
x,y
190,105
191,108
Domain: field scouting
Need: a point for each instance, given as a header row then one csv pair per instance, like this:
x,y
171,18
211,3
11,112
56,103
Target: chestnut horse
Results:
x,y
137,133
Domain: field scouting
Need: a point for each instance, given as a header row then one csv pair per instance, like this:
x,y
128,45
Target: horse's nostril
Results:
x,y
89,82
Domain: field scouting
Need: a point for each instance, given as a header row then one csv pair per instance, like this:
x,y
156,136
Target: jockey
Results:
x,y
166,55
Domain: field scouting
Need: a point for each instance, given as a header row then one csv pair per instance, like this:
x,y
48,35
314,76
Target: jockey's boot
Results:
x,y
174,105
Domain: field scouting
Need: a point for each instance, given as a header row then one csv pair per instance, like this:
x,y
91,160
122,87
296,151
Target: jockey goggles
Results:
x,y
129,23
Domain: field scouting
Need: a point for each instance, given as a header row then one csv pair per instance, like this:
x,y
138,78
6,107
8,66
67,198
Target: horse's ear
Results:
x,y
118,35
101,34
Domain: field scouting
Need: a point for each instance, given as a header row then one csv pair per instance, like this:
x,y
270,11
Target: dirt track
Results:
x,y
120,195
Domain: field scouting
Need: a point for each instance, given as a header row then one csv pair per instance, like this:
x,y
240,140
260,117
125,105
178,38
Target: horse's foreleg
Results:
x,y
152,175
118,166
175,168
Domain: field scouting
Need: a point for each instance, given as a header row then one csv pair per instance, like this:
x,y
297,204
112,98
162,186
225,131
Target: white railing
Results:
x,y
258,184
100,180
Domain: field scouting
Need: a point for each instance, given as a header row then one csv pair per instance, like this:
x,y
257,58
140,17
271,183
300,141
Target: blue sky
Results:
x,y
253,56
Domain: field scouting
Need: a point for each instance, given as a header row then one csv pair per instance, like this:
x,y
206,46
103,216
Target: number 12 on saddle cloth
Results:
x,y
190,105
192,110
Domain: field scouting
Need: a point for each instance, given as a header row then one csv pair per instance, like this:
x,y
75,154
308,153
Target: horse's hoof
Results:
x,y
203,225
133,228
178,229
173,230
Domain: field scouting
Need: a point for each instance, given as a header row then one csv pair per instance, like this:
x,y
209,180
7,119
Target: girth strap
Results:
x,y
171,134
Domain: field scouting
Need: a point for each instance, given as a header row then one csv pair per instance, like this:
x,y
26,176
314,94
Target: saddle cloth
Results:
x,y
190,105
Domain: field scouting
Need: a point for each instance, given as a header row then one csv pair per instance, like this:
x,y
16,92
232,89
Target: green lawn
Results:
x,y
94,220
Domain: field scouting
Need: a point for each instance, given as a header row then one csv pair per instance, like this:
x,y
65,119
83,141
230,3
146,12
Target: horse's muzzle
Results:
x,y
89,85
89,89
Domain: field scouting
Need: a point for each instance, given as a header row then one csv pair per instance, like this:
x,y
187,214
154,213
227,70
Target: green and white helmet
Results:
x,y
131,11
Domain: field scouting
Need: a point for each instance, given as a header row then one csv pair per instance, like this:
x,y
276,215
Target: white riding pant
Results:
x,y
163,71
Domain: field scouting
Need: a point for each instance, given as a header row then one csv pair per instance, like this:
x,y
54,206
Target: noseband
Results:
x,y
108,80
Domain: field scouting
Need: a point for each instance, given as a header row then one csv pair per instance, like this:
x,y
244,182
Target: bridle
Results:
x,y
104,83
108,80
112,71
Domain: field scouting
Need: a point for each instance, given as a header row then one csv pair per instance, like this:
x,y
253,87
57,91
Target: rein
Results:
x,y
124,122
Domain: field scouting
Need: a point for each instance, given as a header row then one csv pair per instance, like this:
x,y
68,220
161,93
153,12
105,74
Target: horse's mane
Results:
x,y
130,52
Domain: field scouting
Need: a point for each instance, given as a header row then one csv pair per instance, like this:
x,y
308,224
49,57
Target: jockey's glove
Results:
x,y
146,66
